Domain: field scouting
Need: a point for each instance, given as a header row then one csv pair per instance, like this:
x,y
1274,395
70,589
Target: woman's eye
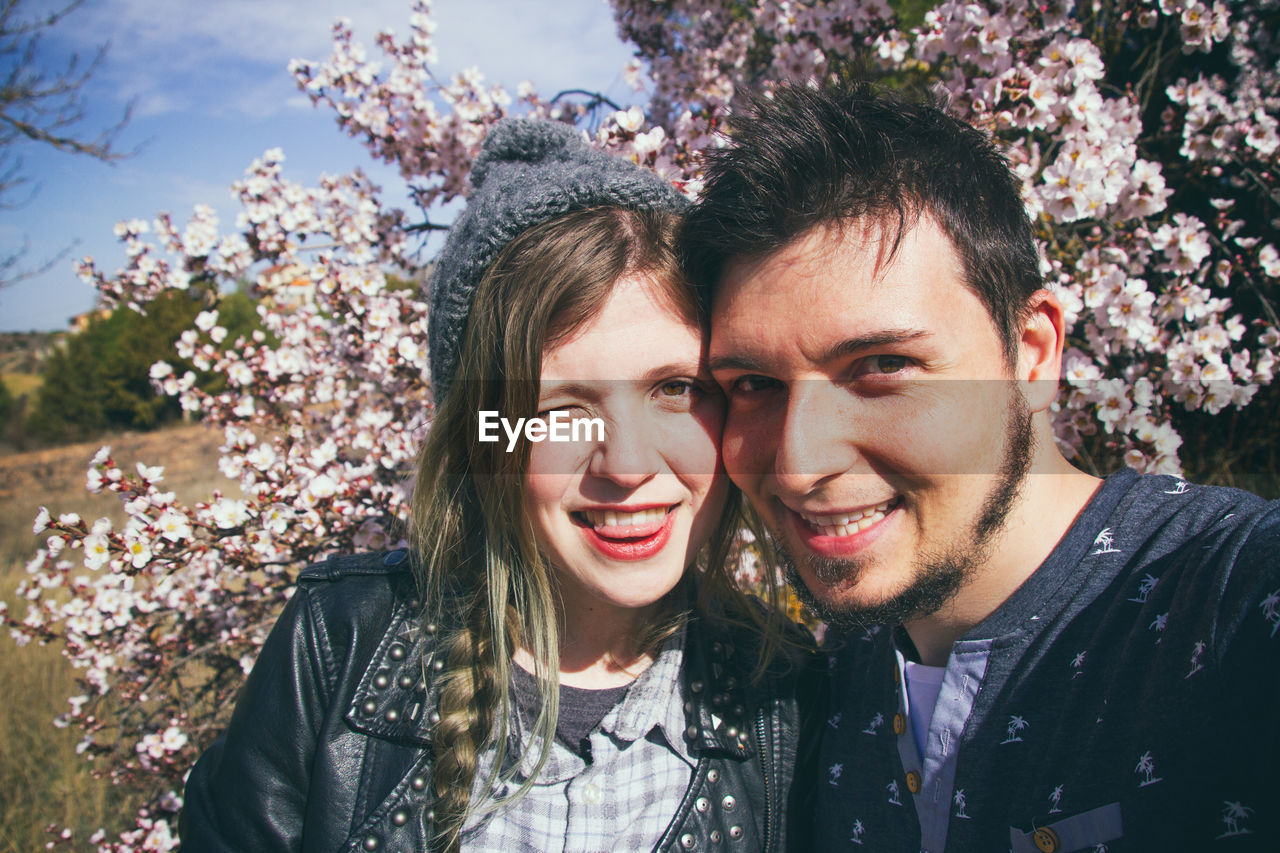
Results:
x,y
676,388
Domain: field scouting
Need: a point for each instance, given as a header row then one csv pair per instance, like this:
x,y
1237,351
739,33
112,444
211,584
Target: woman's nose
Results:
x,y
628,456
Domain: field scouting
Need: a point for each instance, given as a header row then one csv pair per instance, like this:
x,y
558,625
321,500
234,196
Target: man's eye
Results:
x,y
884,364
752,384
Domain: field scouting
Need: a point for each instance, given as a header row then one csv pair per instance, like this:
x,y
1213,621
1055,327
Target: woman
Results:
x,y
546,670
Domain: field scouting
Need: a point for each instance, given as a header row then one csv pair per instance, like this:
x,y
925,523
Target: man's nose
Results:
x,y
819,439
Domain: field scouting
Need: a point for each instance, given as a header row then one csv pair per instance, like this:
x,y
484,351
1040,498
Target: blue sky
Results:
x,y
211,92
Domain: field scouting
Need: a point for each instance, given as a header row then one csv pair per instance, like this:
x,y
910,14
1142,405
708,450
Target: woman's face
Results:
x,y
620,518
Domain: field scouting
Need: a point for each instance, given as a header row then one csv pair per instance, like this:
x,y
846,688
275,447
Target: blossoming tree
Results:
x,y
1144,131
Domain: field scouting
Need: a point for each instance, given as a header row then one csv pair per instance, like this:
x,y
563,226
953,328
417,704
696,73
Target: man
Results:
x,y
1029,658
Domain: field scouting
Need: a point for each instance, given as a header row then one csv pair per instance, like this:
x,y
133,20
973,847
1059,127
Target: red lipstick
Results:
x,y
637,547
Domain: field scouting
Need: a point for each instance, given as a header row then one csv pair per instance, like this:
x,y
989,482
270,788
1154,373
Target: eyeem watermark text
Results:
x,y
558,426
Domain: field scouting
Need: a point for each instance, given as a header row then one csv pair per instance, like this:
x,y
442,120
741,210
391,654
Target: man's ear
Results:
x,y
1042,337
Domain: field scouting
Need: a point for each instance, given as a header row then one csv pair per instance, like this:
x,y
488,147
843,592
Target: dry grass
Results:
x,y
42,780
55,478
21,383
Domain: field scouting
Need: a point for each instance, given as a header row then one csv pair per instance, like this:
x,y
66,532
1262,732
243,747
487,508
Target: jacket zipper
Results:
x,y
765,771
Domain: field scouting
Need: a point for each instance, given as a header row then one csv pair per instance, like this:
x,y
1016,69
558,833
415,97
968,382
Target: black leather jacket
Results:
x,y
329,745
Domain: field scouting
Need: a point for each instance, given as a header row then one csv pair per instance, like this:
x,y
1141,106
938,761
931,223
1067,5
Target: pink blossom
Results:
x,y
322,409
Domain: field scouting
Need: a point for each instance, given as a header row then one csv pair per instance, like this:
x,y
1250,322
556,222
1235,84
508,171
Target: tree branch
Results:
x,y
45,109
595,99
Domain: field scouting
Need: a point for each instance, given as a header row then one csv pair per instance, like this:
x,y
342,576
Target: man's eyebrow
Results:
x,y
735,361
861,343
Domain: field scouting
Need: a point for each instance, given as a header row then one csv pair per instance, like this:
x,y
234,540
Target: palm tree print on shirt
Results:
x,y
960,802
858,830
1271,610
1077,663
1196,651
1016,724
892,788
1104,542
876,722
1055,797
1232,815
1159,625
1147,584
1147,766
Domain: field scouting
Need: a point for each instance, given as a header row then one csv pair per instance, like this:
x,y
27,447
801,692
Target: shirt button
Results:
x,y
591,794
1046,839
913,782
899,724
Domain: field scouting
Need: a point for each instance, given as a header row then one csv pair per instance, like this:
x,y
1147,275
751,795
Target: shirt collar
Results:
x,y
655,700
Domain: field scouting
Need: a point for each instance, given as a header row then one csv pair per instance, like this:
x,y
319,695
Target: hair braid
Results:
x,y
467,703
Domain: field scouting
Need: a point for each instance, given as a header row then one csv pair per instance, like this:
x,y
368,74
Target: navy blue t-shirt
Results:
x,y
1125,698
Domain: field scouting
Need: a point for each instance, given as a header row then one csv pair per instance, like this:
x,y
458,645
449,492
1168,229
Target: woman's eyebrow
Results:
x,y
576,389
593,389
675,368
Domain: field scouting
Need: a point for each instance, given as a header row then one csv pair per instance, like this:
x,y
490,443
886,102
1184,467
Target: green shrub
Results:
x,y
100,380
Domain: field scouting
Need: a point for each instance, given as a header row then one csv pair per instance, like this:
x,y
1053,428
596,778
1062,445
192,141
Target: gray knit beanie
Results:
x,y
528,171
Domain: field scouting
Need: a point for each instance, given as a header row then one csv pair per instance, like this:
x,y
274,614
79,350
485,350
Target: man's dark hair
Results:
x,y
809,157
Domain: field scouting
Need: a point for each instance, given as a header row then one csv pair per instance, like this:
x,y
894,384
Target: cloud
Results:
x,y
156,103
230,56
191,34
261,99
577,46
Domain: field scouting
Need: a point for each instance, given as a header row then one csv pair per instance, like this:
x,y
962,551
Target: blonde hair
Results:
x,y
484,583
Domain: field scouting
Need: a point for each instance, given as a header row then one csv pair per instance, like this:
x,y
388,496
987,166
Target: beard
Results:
x,y
936,577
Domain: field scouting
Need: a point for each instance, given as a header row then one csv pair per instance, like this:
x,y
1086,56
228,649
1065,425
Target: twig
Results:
x,y
596,98
424,226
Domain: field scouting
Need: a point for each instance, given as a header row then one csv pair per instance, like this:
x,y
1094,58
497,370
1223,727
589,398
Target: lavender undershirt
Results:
x,y
924,683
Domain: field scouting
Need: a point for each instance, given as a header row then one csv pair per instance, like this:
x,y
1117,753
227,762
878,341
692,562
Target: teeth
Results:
x,y
624,519
847,525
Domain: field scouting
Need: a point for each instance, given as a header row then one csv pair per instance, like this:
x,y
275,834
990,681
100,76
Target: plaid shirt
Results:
x,y
624,799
